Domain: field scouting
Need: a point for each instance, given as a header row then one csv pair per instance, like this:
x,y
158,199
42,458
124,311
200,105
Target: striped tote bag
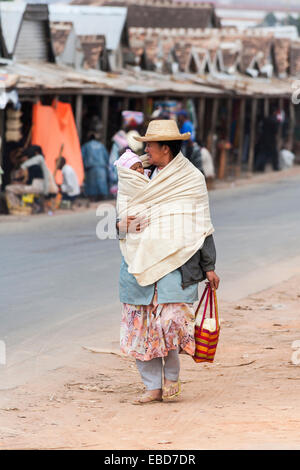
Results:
x,y
207,329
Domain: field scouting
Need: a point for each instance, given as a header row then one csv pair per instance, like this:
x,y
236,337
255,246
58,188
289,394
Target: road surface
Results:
x,y
59,282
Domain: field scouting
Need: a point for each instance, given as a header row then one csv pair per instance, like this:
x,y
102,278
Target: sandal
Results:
x,y
145,399
167,391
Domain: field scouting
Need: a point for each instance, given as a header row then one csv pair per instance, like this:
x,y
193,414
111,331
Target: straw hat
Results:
x,y
164,129
133,144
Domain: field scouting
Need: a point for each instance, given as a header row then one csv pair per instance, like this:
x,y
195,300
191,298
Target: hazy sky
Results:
x,y
273,4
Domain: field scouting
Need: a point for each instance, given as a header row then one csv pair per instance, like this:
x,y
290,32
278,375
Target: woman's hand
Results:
x,y
213,279
132,224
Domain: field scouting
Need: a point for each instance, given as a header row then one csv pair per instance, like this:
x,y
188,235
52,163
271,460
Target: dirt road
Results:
x,y
247,399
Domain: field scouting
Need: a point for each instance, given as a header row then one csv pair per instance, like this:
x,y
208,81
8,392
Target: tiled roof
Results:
x,y
156,3
60,31
137,41
231,51
179,17
281,48
152,52
92,47
186,46
176,14
255,51
217,50
295,59
182,54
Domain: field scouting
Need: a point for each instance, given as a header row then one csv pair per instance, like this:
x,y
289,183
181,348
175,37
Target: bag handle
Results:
x,y
216,308
205,293
212,301
212,298
201,300
206,304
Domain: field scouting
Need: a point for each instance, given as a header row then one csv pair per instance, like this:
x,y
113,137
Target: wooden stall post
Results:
x,y
145,107
229,119
224,147
201,112
266,107
292,123
78,115
2,136
279,135
104,115
252,134
241,136
213,127
125,103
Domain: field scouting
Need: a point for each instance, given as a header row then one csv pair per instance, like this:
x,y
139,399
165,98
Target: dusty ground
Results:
x,y
247,399
256,178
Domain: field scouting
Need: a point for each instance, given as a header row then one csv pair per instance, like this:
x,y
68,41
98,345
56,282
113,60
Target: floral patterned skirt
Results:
x,y
149,331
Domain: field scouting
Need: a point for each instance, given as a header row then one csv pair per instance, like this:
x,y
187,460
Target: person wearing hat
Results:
x,y
185,125
157,301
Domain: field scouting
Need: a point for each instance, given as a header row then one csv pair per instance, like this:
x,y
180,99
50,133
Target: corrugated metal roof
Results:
x,y
96,21
35,78
241,85
32,42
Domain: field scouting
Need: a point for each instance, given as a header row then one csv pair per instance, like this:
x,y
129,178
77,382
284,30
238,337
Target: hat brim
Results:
x,y
158,138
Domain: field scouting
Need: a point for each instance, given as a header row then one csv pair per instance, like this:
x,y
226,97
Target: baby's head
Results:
x,y
138,166
130,160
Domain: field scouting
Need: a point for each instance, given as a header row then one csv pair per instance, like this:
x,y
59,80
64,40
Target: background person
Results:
x,y
208,167
95,161
185,125
24,181
193,154
267,144
119,145
122,140
70,188
34,156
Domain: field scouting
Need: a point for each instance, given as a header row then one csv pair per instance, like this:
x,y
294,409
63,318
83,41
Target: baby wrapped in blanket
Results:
x,y
175,205
131,161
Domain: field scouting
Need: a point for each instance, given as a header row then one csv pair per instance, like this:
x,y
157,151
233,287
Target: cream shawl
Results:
x,y
175,203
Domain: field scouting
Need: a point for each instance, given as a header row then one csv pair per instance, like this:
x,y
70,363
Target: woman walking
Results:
x,y
160,272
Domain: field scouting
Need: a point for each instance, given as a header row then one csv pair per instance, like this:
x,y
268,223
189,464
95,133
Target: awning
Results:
x,y
7,91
